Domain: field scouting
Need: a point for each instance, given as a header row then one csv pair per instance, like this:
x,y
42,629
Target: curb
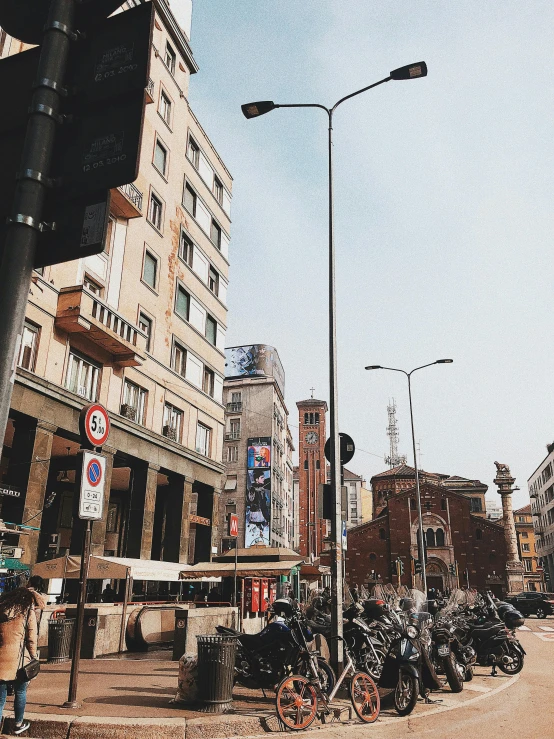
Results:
x,y
215,726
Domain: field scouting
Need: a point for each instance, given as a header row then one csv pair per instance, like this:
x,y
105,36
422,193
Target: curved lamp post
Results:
x,y
254,110
420,539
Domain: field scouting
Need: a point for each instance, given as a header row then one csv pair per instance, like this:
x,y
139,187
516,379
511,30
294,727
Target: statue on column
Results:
x,y
514,567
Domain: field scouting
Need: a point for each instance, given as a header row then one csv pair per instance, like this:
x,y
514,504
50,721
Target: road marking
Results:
x,y
544,637
477,688
523,628
546,628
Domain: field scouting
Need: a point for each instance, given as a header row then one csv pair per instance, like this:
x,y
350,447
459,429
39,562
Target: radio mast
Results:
x,y
394,459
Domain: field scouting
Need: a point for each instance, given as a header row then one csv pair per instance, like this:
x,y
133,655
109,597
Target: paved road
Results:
x,y
502,708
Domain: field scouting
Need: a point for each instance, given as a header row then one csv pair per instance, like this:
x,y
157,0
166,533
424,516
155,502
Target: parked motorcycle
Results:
x,y
280,649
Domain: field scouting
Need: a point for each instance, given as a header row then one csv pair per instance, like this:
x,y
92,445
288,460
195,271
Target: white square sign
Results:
x,y
93,480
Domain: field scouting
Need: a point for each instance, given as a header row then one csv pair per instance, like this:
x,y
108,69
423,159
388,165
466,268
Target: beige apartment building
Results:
x,y
257,441
141,329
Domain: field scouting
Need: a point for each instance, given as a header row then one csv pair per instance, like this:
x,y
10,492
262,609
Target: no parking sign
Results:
x,y
91,501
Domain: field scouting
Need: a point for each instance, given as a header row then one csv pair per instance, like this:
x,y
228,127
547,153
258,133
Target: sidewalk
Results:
x,y
131,699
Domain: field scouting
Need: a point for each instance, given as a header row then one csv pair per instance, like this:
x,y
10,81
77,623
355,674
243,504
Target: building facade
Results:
x,y
258,441
354,484
463,549
541,492
533,573
139,328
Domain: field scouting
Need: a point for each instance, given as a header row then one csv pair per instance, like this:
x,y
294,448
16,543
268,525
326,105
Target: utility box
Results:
x,y
264,594
90,630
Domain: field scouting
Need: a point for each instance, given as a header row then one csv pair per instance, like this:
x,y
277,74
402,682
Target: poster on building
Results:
x,y
254,360
258,493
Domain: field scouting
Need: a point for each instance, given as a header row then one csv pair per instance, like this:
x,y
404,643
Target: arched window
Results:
x,y
372,556
430,538
306,418
414,504
317,464
305,464
317,418
382,534
478,534
440,537
443,504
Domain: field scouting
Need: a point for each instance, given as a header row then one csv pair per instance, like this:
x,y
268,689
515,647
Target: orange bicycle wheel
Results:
x,y
296,702
364,695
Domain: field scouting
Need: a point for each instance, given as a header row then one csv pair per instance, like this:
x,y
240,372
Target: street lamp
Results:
x,y
254,110
420,539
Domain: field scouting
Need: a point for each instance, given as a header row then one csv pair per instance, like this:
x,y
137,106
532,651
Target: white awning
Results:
x,y
112,568
244,569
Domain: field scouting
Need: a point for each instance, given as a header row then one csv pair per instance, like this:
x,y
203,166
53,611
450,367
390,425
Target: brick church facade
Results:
x,y
463,548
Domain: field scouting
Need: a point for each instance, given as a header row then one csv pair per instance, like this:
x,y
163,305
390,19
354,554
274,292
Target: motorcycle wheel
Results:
x,y
372,667
454,677
325,673
296,702
406,693
364,695
469,674
517,664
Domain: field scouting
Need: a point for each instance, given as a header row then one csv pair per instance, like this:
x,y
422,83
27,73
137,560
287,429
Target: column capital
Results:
x,y
154,467
111,450
45,426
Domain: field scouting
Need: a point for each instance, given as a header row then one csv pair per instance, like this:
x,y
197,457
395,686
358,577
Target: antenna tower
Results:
x,y
394,459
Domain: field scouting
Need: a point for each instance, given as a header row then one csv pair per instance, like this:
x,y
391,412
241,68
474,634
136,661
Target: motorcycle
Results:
x,y
366,650
444,654
280,649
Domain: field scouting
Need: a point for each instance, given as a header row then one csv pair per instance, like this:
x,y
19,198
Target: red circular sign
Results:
x,y
94,473
96,424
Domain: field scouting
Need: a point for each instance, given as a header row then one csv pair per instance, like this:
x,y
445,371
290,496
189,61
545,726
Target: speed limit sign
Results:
x,y
94,424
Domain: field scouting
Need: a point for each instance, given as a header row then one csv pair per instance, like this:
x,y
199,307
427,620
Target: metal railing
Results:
x,y
234,407
133,194
232,435
150,88
113,321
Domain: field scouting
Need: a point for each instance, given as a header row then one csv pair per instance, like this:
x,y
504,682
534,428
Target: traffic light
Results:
x,y
418,568
400,566
452,569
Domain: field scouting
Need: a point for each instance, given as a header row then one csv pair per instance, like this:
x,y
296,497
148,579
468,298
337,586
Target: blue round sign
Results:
x,y
94,472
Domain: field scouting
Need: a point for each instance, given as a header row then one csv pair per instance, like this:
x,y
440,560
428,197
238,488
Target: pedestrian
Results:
x,y
18,647
108,594
37,587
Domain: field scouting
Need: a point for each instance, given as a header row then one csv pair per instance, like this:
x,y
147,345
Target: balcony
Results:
x,y
538,528
232,435
234,407
126,201
150,92
81,312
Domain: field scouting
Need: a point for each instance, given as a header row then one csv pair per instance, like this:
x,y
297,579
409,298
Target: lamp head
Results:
x,y
410,71
253,110
444,361
374,366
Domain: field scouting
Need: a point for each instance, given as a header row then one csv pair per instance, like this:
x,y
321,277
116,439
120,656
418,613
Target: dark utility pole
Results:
x,y
33,180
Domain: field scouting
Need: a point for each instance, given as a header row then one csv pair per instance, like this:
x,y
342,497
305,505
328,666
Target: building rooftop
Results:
x,y
525,510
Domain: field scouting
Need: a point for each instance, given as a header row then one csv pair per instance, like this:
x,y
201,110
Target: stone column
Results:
x,y
216,518
514,567
99,527
144,486
174,544
30,475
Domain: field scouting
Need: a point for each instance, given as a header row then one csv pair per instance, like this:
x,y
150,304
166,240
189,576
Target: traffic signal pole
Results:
x,y
25,224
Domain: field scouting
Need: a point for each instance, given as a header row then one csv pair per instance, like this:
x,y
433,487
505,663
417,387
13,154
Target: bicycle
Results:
x,y
298,698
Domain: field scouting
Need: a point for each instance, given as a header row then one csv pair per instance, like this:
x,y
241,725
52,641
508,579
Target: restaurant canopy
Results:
x,y
111,568
244,569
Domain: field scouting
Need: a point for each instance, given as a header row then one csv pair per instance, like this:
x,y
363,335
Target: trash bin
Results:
x,y
60,636
216,667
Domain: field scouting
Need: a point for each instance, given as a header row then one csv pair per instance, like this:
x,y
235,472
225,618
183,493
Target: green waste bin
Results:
x,y
60,636
216,668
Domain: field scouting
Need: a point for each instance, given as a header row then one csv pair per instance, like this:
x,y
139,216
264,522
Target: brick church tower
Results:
x,y
311,473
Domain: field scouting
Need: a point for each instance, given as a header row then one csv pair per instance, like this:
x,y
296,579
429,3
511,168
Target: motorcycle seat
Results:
x,y
486,631
251,641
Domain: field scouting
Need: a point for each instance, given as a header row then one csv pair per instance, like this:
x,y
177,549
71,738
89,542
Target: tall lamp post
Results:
x,y
254,110
420,539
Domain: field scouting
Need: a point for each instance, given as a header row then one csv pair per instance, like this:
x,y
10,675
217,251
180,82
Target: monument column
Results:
x,y
514,567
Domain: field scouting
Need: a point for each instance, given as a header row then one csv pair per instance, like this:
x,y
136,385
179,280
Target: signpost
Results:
x,y
234,533
94,425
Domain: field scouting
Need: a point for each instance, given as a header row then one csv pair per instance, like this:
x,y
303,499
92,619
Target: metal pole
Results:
x,y
235,577
336,521
421,545
71,701
25,223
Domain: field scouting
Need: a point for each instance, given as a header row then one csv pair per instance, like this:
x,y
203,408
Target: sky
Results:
x,y
443,214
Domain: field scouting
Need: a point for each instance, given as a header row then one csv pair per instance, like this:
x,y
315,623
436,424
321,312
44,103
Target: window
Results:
x,y
182,303
213,281
317,464
478,534
528,564
172,422
193,153
236,397
145,324
440,537
111,519
316,418
521,519
218,190
203,434
134,402
305,464
524,535
29,345
155,210
170,58
525,548
382,534
443,504
165,108
208,382
92,286
160,157
150,269
186,248
232,454
82,376
234,428
215,234
430,538
211,329
179,359
190,200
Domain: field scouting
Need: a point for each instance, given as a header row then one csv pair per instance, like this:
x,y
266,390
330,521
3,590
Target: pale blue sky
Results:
x,y
444,215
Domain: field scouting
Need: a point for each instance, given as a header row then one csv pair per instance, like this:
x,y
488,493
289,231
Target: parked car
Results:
x,y
540,605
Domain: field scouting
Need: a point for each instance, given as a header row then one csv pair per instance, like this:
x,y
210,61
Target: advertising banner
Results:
x,y
254,360
258,492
